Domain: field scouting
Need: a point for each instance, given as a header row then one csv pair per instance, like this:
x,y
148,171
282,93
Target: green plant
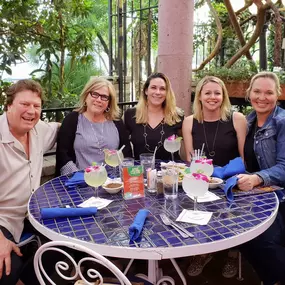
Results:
x,y
235,73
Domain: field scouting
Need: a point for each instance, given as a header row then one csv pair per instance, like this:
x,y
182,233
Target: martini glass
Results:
x,y
196,185
172,144
113,158
95,176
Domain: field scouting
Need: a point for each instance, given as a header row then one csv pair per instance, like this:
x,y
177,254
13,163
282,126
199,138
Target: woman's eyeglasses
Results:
x,y
96,95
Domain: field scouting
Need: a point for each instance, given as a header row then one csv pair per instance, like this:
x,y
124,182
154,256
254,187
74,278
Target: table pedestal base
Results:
x,y
155,274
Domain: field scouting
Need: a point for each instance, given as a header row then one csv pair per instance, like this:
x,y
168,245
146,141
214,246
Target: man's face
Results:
x,y
24,112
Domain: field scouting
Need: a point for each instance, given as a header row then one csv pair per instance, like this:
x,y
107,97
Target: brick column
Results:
x,y
175,47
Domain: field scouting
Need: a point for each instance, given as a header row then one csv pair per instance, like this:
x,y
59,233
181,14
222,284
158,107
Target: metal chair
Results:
x,y
61,266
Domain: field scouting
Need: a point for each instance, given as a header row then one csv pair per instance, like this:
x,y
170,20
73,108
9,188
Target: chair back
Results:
x,y
61,266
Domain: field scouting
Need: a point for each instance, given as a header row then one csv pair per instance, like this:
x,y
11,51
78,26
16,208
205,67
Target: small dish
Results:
x,y
215,182
113,187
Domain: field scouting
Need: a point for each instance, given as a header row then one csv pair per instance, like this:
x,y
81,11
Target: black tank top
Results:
x,y
225,145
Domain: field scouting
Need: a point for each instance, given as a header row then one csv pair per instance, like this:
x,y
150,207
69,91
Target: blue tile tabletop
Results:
x,y
107,231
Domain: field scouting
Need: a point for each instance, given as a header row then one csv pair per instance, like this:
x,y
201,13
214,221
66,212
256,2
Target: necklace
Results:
x,y
212,152
159,144
100,148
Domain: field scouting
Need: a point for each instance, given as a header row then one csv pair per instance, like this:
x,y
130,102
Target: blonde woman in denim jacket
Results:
x,y
264,154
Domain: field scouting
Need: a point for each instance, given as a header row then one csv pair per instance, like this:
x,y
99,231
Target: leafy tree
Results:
x,y
17,23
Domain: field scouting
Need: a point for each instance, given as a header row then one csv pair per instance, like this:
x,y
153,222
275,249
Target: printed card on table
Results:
x,y
133,182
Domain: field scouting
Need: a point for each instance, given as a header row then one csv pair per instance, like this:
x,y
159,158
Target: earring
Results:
x,y
107,110
85,104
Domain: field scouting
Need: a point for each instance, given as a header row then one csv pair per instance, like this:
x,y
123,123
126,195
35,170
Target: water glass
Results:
x,y
126,162
146,160
170,183
151,181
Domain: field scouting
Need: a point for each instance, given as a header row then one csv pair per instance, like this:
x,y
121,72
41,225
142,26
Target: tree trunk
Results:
x,y
238,30
278,35
258,28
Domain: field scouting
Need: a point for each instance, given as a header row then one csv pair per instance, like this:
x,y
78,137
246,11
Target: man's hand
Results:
x,y
247,182
6,247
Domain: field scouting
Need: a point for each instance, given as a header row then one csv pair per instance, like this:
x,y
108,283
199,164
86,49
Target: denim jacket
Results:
x,y
269,147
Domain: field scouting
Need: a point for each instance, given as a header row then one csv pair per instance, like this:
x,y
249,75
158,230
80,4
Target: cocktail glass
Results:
x,y
113,158
203,165
95,176
172,144
196,185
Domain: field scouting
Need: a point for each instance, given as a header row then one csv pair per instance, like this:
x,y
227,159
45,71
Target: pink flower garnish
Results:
x,y
204,160
200,176
92,168
171,138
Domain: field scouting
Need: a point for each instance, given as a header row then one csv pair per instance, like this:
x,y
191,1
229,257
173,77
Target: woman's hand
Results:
x,y
247,182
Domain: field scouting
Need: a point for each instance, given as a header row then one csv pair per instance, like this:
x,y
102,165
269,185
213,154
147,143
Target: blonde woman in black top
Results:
x,y
223,133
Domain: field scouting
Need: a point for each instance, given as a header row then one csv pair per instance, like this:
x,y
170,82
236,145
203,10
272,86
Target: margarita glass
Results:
x,y
95,176
113,158
203,165
172,144
196,185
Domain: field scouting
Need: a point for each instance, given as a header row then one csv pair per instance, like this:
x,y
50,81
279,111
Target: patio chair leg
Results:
x,y
239,278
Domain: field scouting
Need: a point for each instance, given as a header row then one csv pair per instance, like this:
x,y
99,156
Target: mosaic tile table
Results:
x,y
107,232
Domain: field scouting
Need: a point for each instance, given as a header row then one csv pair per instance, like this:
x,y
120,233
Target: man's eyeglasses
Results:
x,y
96,95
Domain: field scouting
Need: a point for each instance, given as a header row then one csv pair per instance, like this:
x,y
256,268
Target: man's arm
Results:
x,y
6,247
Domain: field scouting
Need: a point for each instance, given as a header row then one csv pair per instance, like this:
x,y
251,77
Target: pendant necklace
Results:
x,y
159,144
100,149
211,152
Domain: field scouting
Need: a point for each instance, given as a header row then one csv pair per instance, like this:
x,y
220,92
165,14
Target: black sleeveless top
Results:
x,y
225,145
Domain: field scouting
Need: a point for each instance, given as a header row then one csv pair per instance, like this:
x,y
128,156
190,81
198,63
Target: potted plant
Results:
x,y
236,79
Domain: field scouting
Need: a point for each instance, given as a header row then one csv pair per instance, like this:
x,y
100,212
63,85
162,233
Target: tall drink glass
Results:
x,y
170,183
146,160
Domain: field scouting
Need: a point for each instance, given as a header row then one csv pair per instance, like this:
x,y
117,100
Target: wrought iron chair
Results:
x,y
62,266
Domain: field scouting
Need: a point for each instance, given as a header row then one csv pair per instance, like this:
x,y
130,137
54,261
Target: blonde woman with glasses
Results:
x,y
223,134
155,118
94,126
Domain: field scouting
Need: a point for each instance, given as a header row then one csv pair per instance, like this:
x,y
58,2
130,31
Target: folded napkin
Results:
x,y
76,179
137,225
235,166
230,183
51,213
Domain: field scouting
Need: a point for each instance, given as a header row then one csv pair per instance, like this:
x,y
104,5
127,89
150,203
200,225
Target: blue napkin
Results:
x,y
137,225
76,179
51,213
230,183
235,166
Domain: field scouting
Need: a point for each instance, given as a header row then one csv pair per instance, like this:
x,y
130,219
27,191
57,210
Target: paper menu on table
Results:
x,y
133,182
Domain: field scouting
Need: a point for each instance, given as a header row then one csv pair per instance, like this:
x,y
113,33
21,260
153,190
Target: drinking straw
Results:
x,y
153,158
120,150
202,149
